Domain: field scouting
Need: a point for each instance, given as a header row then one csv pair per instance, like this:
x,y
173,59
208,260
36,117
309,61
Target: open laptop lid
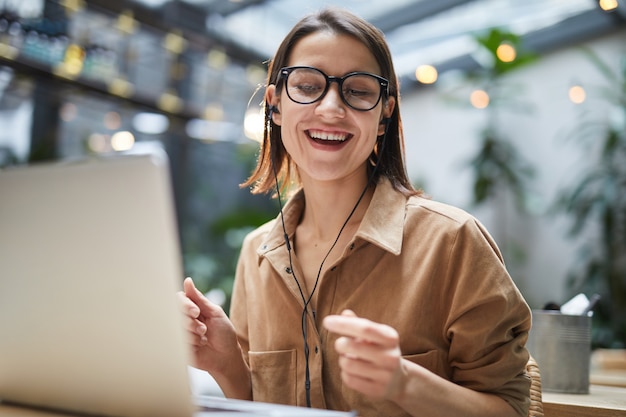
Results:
x,y
89,267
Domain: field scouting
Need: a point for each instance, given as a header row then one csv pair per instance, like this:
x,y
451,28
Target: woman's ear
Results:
x,y
272,101
388,107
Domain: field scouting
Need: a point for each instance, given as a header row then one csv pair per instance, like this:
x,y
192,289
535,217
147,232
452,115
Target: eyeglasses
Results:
x,y
359,90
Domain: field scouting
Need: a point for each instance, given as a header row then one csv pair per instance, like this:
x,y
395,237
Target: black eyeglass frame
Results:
x,y
284,73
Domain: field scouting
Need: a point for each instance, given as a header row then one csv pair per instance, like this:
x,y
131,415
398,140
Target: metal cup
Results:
x,y
561,346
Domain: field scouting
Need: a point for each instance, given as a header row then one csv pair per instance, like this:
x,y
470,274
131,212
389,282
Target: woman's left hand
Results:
x,y
370,357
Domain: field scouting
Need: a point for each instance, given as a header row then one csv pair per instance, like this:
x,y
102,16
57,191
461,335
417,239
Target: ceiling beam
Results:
x,y
574,30
569,32
412,13
227,7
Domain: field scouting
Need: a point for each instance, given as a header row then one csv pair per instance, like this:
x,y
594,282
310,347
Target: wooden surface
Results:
x,y
602,401
608,367
610,377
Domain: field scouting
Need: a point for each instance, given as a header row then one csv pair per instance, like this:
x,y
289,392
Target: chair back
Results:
x,y
536,402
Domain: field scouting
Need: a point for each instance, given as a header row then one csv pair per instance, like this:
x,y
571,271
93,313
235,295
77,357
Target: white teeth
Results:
x,y
328,136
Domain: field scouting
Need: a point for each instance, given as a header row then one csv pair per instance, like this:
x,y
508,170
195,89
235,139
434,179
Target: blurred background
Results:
x,y
513,110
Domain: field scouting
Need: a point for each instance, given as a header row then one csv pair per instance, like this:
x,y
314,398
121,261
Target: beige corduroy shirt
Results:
x,y
429,270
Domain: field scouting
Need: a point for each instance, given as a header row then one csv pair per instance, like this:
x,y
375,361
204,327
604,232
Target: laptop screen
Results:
x,y
90,264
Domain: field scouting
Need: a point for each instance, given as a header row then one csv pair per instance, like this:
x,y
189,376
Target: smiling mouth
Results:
x,y
328,138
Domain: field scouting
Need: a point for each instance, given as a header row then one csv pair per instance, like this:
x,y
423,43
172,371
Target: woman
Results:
x,y
362,294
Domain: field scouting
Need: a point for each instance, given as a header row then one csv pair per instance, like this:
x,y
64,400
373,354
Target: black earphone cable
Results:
x,y
306,301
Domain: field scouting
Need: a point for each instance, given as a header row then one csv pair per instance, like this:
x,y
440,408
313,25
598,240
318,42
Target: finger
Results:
x,y
376,378
197,340
194,325
375,355
187,306
370,387
362,369
207,309
190,289
362,329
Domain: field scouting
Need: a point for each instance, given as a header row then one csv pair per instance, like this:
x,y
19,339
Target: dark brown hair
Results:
x,y
391,163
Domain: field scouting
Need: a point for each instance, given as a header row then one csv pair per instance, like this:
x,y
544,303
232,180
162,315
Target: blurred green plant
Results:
x,y
596,203
499,170
498,165
213,270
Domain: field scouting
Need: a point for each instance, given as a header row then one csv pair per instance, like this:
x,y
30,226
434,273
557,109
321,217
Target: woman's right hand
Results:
x,y
214,343
211,334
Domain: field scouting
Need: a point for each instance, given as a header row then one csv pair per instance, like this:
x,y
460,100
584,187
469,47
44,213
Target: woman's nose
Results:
x,y
332,102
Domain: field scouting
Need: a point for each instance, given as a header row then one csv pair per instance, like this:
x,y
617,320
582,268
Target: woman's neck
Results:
x,y
328,205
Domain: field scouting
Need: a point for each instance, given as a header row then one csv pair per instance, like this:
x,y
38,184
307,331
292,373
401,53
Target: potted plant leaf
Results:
x,y
596,203
500,172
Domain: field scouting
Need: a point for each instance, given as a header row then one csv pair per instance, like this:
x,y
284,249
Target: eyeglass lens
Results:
x,y
359,91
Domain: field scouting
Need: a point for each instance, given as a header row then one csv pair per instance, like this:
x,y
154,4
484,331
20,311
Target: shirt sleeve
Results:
x,y
489,320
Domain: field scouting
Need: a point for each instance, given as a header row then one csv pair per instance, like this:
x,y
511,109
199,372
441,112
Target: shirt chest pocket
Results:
x,y
269,367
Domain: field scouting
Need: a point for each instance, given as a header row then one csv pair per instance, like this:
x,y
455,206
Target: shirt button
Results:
x,y
333,268
316,350
351,245
288,270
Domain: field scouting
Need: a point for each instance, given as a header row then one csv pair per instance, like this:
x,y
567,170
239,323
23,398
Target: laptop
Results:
x,y
90,265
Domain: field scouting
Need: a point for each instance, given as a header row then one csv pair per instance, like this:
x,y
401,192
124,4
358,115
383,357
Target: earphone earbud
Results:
x,y
271,111
386,121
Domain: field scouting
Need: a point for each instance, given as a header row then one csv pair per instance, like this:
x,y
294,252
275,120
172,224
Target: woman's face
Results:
x,y
329,140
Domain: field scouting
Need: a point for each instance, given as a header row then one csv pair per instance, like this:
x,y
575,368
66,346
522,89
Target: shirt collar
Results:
x,y
382,225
